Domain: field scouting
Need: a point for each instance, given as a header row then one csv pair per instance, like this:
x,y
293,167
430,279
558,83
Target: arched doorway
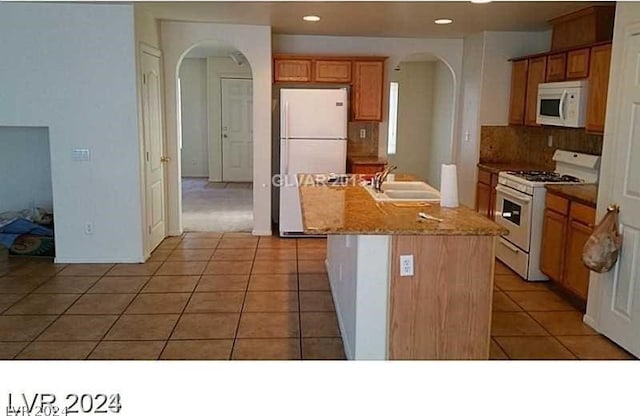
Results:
x,y
215,140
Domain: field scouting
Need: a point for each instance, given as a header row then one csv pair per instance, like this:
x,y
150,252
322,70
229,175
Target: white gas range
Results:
x,y
520,201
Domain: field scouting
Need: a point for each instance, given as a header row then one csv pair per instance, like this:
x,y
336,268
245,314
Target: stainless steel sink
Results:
x,y
405,192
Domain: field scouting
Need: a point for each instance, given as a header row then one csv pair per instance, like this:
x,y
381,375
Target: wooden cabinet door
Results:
x,y
554,231
578,63
518,91
332,71
598,87
576,275
535,76
556,67
483,199
292,70
368,85
492,195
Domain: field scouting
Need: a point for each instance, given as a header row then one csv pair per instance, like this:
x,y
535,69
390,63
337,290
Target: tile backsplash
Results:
x,y
362,147
530,144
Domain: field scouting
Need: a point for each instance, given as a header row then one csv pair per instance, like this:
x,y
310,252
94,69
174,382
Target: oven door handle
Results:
x,y
509,246
514,194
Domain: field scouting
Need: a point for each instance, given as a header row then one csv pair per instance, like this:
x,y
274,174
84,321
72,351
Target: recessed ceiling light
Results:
x,y
442,21
311,18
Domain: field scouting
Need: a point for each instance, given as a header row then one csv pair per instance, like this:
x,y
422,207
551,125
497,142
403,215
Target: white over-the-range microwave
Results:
x,y
562,103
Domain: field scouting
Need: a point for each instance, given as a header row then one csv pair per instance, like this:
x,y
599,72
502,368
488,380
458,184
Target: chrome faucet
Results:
x,y
380,177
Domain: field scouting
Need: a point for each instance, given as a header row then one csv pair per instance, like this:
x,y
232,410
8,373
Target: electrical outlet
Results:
x,y
363,133
550,141
88,228
406,265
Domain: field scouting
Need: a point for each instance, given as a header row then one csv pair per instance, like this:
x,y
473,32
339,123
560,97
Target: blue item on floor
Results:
x,y
13,229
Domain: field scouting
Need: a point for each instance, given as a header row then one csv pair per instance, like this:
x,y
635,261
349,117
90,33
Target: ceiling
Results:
x,y
359,18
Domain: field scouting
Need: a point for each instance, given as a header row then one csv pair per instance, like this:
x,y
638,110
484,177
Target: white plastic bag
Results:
x,y
601,251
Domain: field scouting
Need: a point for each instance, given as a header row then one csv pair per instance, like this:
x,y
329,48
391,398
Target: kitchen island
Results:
x,y
442,311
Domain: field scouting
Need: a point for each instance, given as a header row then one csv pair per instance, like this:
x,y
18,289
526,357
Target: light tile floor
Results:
x,y
235,296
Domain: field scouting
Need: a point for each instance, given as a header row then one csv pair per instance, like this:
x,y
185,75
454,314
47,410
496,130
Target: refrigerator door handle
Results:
x,y
286,138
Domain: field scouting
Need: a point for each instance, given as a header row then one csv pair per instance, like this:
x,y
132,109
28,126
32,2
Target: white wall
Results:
x,y
255,43
72,68
218,68
397,49
415,111
195,146
441,124
25,168
486,82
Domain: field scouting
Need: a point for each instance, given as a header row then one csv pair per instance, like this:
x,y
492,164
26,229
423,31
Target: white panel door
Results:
x,y
619,317
153,147
313,113
237,130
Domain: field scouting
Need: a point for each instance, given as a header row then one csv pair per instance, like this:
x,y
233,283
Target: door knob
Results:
x,y
165,159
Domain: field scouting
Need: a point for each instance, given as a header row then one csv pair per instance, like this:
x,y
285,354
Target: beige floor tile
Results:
x,y
228,267
312,242
212,349
169,243
495,352
42,304
316,301
23,327
119,284
206,326
227,254
501,268
7,300
142,269
282,301
157,303
515,324
97,269
269,325
503,303
191,254
272,254
67,284
170,284
311,266
202,234
312,253
182,268
215,302
142,328
513,282
160,255
277,242
563,323
322,349
236,243
243,235
317,281
594,347
127,350
274,267
215,283
319,324
273,282
60,350
9,350
534,348
101,304
20,284
78,328
36,268
267,349
539,301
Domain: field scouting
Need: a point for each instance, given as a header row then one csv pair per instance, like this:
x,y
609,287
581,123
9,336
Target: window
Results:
x,y
393,118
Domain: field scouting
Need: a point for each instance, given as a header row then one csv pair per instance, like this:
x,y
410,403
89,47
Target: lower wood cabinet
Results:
x,y
566,228
486,192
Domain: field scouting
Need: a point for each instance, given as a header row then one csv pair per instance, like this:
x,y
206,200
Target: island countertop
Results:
x,y
349,209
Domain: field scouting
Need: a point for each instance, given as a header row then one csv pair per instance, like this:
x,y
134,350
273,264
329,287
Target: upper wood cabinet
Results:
x,y
367,91
598,88
518,91
536,74
583,27
332,71
292,70
556,67
578,63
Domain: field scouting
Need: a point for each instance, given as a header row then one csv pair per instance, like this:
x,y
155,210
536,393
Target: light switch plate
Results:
x,y
81,155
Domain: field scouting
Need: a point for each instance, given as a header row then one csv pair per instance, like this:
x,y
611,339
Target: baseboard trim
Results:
x,y
590,322
347,352
97,261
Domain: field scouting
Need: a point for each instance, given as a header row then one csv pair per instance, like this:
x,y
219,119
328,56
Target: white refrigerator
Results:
x,y
313,139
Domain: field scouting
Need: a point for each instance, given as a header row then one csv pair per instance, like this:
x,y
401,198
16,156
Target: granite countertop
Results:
x,y
367,160
583,193
349,209
497,167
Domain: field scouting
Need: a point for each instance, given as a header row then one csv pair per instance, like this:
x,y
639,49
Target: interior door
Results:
x,y
619,312
154,159
237,130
